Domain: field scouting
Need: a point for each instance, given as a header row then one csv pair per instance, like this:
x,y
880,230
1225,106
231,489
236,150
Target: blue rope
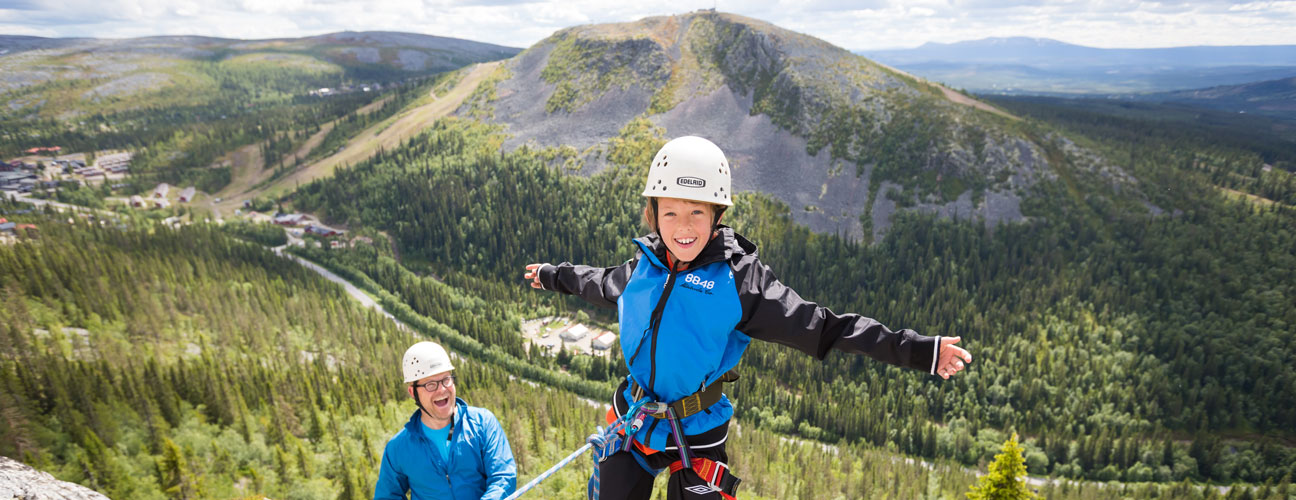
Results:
x,y
595,441
549,472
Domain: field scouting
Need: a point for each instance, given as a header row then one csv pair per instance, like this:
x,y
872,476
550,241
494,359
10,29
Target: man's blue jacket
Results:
x,y
481,464
682,330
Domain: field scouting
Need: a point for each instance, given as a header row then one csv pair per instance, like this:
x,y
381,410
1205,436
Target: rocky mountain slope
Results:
x,y
842,140
21,482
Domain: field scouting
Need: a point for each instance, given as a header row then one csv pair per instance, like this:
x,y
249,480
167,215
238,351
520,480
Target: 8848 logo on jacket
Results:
x,y
697,284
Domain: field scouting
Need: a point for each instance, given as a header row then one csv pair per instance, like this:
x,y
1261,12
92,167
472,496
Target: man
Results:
x,y
447,450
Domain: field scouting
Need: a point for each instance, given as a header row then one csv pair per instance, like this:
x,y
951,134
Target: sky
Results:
x,y
852,24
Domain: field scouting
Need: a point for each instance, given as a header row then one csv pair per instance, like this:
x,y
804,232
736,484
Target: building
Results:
x,y
604,342
574,333
12,181
161,203
137,201
161,190
319,230
289,219
111,160
187,195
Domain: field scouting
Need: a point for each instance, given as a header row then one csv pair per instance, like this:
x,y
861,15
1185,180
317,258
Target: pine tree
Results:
x,y
1006,479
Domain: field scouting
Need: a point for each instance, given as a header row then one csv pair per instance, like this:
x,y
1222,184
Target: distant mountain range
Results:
x,y
65,77
404,51
1273,97
1044,66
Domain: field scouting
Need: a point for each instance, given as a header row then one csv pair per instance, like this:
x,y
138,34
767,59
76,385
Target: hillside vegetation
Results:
x,y
182,103
1118,354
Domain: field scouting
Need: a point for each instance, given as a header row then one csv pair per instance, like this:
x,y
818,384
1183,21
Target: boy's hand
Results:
x,y
533,274
952,357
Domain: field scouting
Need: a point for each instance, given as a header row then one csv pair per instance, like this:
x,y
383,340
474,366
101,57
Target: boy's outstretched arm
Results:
x,y
601,286
775,313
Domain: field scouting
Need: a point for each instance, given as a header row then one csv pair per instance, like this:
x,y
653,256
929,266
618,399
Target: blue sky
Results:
x,y
856,25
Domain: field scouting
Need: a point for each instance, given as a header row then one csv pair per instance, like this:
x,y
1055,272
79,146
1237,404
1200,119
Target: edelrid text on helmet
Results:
x,y
425,359
690,168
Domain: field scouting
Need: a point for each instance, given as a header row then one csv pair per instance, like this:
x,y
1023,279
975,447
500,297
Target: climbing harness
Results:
x,y
608,441
716,474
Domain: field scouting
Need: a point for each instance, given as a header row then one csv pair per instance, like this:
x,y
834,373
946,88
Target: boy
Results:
x,y
688,306
447,450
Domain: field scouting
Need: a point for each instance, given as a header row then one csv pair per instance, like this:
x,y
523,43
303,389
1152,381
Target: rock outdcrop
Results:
x,y
21,482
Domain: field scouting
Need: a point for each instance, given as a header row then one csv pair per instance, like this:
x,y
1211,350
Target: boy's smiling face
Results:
x,y
685,226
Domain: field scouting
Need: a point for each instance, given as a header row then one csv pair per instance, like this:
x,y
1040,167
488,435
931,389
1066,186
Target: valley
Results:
x,y
1122,270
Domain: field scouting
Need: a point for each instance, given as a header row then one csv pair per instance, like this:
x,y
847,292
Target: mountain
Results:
x,y
1274,97
72,77
1041,65
844,141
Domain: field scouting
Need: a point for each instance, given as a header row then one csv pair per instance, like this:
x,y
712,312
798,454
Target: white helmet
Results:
x,y
424,359
690,168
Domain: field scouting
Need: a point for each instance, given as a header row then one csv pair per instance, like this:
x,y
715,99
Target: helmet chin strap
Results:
x,y
419,402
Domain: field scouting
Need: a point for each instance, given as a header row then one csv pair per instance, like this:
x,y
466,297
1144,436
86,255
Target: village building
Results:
x,y
574,333
604,342
187,195
12,181
289,219
137,201
112,162
161,190
319,230
161,203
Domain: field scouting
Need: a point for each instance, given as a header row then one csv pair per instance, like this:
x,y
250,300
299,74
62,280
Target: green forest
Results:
x,y
1121,345
149,362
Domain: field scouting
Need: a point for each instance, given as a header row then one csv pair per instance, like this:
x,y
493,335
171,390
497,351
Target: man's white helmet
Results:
x,y
690,168
425,359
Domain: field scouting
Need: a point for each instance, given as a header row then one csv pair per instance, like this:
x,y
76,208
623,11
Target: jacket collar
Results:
x,y
726,245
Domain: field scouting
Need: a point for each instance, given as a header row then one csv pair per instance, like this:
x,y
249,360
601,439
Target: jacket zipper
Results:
x,y
655,322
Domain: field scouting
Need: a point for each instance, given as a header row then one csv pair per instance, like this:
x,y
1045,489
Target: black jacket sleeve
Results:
x,y
775,313
600,286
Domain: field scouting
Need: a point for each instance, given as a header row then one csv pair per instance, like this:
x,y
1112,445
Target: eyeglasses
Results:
x,y
432,385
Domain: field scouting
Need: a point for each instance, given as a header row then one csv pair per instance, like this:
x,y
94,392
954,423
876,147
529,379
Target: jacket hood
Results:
x,y
726,245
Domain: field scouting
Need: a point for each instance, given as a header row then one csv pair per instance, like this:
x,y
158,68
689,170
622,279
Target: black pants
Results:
x,y
622,478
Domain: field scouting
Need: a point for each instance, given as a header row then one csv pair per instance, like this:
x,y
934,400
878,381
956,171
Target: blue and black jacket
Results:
x,y
682,330
480,467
